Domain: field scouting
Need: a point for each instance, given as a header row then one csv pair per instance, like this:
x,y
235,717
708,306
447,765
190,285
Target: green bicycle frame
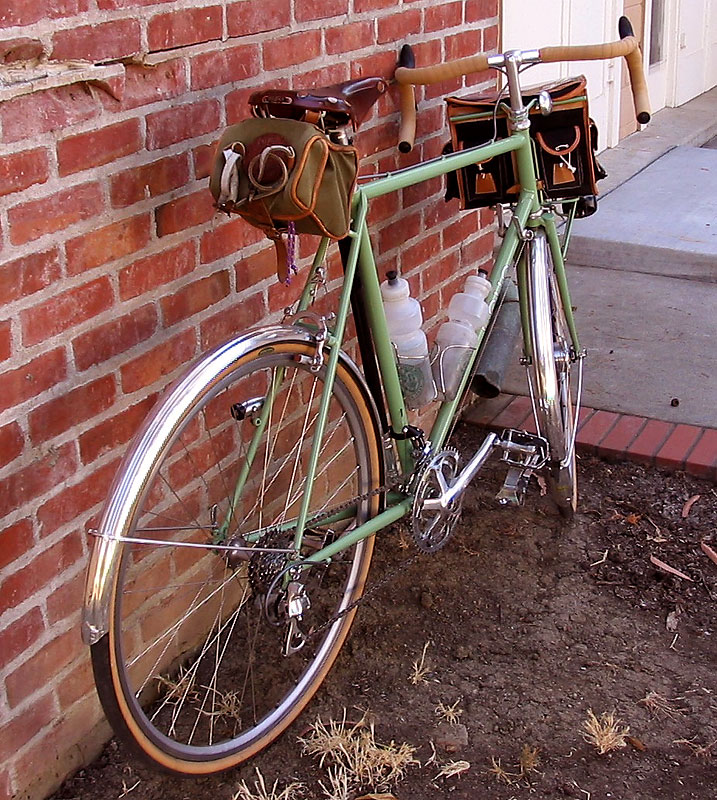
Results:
x,y
528,214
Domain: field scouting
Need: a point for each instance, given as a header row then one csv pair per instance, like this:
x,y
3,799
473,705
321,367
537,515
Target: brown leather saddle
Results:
x,y
339,104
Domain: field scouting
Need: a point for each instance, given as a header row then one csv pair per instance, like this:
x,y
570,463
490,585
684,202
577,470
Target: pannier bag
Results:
x,y
564,142
285,175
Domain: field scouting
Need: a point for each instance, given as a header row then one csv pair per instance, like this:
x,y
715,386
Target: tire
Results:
x,y
550,366
191,672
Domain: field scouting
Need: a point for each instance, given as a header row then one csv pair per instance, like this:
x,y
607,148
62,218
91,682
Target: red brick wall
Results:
x,y
115,272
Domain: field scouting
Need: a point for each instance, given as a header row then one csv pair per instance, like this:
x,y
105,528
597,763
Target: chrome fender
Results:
x,y
139,466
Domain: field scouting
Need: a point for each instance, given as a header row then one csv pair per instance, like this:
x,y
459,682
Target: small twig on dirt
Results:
x,y
468,551
434,756
673,620
587,794
667,568
453,768
709,552
602,560
127,789
658,537
657,528
688,505
673,642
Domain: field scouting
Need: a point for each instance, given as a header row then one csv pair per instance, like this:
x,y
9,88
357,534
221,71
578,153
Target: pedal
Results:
x,y
514,487
523,450
523,453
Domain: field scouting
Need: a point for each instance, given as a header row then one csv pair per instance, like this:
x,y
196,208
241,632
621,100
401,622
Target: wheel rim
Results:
x,y
197,664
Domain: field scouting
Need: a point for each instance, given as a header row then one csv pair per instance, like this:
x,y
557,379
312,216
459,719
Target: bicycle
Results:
x,y
235,544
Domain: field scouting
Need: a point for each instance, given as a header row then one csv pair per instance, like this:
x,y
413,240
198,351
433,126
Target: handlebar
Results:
x,y
408,76
407,132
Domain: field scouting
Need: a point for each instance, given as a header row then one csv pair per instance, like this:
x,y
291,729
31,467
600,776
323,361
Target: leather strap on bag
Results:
x,y
282,254
563,149
229,183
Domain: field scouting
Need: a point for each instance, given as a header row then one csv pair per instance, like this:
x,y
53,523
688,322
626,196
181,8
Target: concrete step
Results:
x,y
662,221
650,340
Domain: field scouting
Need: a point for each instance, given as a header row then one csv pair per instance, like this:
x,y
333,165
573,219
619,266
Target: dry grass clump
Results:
x,y
226,705
500,774
659,705
704,751
181,687
604,732
354,757
450,714
419,669
260,791
529,760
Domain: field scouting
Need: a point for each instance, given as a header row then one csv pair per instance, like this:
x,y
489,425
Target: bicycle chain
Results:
x,y
314,632
365,596
405,484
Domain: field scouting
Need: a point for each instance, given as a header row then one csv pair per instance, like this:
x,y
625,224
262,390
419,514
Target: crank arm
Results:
x,y
466,475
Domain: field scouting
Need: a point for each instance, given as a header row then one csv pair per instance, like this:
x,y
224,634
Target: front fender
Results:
x,y
139,465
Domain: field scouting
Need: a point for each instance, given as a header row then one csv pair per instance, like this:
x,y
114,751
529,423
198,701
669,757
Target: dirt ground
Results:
x,y
527,624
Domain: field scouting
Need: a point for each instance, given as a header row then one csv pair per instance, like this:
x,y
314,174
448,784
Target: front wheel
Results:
x,y
551,357
201,667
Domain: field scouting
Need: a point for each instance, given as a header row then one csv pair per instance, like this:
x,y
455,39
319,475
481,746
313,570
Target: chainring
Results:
x,y
432,528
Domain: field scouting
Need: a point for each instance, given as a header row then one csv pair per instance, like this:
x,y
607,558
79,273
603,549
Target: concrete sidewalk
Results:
x,y
643,278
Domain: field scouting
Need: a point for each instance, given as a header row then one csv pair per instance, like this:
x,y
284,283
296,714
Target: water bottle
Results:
x,y
457,338
404,318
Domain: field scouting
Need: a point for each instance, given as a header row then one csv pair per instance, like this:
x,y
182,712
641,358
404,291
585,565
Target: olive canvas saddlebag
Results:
x,y
285,176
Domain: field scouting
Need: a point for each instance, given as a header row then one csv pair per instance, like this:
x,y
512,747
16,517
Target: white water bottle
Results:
x,y
457,338
404,318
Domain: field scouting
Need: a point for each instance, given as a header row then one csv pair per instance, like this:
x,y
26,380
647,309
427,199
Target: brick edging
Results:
x,y
616,436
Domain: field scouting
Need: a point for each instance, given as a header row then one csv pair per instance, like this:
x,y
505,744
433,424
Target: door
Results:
x,y
530,24
656,51
694,35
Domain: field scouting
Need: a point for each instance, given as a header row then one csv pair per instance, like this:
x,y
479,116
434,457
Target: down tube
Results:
x,y
503,261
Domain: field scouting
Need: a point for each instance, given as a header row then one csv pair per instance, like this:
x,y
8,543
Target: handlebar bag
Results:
x,y
565,141
275,172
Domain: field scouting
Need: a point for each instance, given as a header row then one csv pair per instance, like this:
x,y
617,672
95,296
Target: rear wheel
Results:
x,y
194,672
551,359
